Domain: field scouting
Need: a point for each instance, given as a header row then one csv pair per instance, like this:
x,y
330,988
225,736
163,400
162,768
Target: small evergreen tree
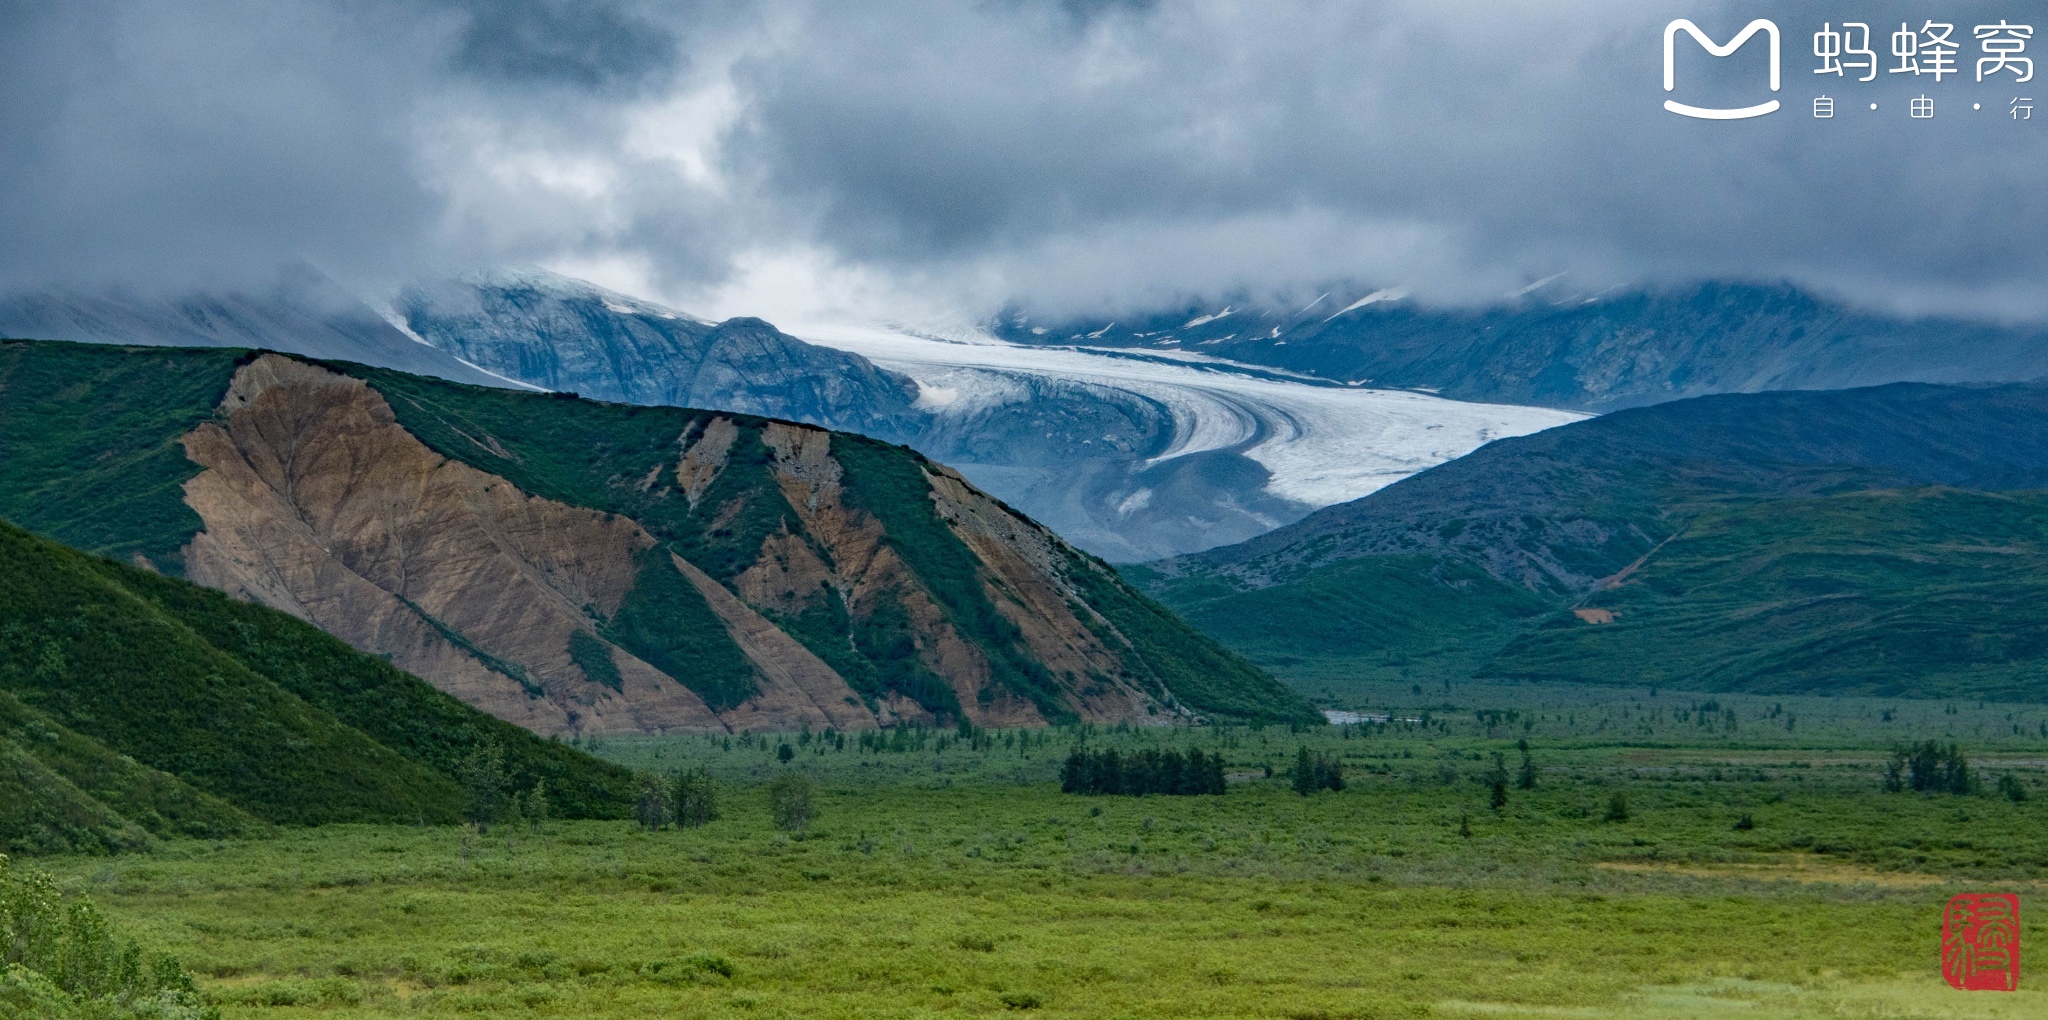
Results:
x,y
484,783
1617,807
1527,779
1304,772
537,806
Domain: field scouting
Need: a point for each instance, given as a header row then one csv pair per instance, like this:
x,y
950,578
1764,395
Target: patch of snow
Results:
x,y
1389,294
1138,500
1205,319
1534,287
931,398
1097,335
1312,304
1038,331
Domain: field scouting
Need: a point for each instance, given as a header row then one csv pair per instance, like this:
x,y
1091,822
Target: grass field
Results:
x,y
960,882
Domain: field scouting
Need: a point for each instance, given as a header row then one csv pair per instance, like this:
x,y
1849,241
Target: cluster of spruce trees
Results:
x,y
1929,767
1170,772
1314,773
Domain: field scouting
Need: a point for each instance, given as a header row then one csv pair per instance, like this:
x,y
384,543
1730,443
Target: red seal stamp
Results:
x,y
1980,942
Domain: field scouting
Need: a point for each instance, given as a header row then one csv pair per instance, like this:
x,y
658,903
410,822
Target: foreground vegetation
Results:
x,y
1763,877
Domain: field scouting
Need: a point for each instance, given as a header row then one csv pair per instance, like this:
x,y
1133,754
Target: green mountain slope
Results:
x,y
120,706
1907,592
1430,579
86,771
89,443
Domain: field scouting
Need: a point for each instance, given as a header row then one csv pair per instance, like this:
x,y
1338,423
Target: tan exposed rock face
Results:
x,y
317,502
1023,580
703,459
797,688
867,572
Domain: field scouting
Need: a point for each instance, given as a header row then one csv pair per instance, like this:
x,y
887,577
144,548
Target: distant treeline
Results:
x,y
1138,773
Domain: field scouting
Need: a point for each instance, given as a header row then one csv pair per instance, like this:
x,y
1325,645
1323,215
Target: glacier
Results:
x,y
1319,442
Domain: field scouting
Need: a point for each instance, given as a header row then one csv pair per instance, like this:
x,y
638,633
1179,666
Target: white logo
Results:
x,y
1671,69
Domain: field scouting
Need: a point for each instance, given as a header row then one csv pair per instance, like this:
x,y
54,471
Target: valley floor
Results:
x,y
958,881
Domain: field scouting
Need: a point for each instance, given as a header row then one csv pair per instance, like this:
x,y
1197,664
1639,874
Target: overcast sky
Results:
x,y
805,160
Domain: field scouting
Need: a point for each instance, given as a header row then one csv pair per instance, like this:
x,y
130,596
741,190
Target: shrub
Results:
x,y
1617,807
2010,788
789,801
651,804
60,960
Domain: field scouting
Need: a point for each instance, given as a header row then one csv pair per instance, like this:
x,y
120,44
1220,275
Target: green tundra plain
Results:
x,y
1661,854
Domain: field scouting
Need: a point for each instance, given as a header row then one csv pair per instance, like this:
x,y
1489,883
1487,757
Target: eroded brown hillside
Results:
x,y
317,502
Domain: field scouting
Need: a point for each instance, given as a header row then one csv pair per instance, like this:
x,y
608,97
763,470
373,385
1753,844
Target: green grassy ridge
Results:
x,y
42,812
89,442
158,802
1388,615
1202,673
97,658
399,711
1918,592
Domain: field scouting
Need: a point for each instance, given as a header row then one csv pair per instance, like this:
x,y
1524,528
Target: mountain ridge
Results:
x,y
528,553
1594,352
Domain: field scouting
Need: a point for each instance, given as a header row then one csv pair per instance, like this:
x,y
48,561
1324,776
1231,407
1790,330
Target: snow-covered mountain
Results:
x,y
1553,345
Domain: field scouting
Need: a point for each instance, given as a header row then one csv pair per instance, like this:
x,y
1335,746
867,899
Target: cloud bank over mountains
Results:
x,y
804,159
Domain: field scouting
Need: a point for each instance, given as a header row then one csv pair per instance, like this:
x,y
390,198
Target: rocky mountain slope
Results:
x,y
578,567
134,705
1431,577
564,334
1554,347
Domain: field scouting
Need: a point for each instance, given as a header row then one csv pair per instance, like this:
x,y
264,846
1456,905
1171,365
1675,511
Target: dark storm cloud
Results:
x,y
1069,153
570,42
1453,146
